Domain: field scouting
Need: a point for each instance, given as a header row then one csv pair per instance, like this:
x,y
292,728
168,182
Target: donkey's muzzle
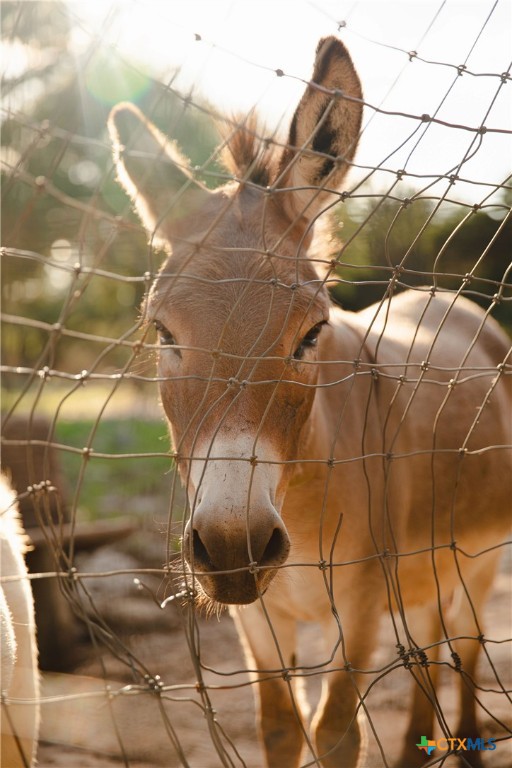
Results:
x,y
234,560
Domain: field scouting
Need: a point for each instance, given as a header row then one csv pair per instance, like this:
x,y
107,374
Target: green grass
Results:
x,y
113,483
129,470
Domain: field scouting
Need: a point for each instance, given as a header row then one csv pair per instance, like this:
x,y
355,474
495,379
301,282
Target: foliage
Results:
x,y
61,203
416,241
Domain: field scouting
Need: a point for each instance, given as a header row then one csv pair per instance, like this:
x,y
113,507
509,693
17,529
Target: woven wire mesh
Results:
x,y
83,433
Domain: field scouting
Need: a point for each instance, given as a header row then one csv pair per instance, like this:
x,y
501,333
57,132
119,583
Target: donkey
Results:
x,y
18,647
340,467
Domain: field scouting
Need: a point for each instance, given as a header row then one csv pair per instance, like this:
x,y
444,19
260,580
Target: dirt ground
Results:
x,y
97,718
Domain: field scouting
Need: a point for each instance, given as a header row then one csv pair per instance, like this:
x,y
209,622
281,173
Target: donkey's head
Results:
x,y
239,310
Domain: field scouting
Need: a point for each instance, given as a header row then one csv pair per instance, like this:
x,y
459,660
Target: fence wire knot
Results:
x,y
45,486
154,683
404,655
44,373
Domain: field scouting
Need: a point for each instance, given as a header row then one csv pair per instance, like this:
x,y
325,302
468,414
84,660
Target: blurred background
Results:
x,y
430,193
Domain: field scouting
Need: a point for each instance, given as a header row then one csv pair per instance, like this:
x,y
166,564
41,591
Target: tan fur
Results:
x,y
245,153
333,481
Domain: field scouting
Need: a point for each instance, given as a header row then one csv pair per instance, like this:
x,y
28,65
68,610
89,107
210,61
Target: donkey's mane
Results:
x,y
246,154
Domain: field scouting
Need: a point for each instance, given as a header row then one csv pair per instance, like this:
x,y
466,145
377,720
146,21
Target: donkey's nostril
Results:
x,y
209,549
201,556
277,548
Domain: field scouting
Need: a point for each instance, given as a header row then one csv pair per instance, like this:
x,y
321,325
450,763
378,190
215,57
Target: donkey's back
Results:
x,y
445,405
444,401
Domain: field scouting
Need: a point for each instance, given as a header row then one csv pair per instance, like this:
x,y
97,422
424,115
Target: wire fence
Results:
x,y
121,621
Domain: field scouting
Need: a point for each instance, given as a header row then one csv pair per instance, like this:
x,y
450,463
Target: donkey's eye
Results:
x,y
165,337
310,340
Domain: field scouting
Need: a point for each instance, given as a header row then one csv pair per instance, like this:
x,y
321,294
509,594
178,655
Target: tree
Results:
x,y
415,241
61,205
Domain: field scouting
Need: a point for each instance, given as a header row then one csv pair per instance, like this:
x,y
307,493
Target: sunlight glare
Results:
x,y
233,53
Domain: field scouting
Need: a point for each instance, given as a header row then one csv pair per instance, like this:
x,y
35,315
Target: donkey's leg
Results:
x,y
269,646
425,630
467,622
338,729
338,726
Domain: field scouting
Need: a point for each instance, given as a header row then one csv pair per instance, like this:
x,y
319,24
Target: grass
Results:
x,y
128,471
114,483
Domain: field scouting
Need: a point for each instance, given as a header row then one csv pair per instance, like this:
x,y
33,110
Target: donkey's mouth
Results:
x,y
238,588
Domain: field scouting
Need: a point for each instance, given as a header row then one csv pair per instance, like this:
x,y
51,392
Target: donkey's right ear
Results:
x,y
152,170
323,134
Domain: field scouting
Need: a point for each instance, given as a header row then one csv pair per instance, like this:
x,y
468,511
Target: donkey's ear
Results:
x,y
324,132
152,170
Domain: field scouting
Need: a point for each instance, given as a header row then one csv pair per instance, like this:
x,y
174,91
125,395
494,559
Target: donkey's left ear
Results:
x,y
152,171
323,134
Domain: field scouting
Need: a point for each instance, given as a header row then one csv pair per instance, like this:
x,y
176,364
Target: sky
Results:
x,y
228,51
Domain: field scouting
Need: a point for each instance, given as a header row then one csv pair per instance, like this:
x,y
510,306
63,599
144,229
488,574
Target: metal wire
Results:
x,y
60,353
